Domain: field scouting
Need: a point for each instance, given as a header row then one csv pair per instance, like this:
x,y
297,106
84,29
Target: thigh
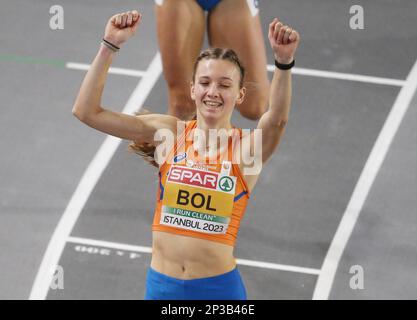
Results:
x,y
181,28
234,24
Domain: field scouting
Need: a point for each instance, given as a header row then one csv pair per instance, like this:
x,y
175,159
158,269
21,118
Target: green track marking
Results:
x,y
32,60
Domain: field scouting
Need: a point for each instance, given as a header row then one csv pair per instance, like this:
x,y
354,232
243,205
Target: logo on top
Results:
x,y
193,177
180,157
226,183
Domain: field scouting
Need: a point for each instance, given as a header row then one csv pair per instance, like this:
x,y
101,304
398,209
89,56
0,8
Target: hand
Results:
x,y
284,41
121,27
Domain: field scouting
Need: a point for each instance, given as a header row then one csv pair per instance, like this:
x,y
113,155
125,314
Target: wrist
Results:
x,y
105,51
284,60
284,66
114,42
109,45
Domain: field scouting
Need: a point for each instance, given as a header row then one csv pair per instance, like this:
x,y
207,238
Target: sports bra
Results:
x,y
200,198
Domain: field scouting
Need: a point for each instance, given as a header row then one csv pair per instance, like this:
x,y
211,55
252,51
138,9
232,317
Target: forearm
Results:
x,y
88,101
280,97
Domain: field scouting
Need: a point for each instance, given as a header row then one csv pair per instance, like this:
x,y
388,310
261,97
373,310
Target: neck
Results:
x,y
204,125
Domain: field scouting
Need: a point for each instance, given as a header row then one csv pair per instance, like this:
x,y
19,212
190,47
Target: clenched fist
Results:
x,y
121,27
283,40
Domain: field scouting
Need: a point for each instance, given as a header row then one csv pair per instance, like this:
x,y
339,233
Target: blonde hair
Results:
x,y
147,150
221,54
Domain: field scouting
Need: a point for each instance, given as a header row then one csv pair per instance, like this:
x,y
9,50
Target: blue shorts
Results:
x,y
227,286
208,4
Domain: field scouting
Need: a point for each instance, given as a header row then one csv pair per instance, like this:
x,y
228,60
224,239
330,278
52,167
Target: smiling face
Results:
x,y
216,90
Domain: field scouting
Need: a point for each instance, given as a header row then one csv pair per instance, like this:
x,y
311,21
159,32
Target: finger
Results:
x,y
129,19
118,20
135,15
137,22
124,19
277,29
294,36
286,36
113,19
272,27
280,36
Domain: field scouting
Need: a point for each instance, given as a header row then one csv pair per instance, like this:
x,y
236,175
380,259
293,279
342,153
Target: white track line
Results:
x,y
275,266
111,245
86,185
112,70
344,76
271,68
363,186
251,263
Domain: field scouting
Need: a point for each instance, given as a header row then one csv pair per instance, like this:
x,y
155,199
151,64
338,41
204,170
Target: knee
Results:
x,y
181,99
181,105
177,79
253,113
255,106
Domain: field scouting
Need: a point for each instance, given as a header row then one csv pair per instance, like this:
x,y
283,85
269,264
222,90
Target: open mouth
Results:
x,y
212,105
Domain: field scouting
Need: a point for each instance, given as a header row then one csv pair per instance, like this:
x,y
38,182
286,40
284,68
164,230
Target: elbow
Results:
x,y
277,120
281,123
83,113
78,114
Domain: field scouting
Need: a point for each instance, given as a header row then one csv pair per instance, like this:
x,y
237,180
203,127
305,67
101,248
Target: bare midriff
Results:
x,y
186,258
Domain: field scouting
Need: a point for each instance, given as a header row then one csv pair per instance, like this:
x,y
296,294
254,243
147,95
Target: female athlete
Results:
x,y
204,184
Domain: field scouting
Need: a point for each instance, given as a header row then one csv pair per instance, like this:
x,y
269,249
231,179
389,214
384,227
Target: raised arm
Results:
x,y
87,107
284,41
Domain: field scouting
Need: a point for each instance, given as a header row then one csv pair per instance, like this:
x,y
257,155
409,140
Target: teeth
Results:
x,y
212,104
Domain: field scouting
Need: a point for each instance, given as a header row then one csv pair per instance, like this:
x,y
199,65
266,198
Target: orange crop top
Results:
x,y
200,199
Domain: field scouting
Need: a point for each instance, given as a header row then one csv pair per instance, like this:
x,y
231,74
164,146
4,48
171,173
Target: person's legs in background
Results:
x,y
235,24
181,29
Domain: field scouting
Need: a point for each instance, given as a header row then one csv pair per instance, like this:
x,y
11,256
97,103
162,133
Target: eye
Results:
x,y
225,85
204,83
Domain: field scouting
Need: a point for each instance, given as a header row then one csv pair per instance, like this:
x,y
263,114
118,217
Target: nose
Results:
x,y
212,91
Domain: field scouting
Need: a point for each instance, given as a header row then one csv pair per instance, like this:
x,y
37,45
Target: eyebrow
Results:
x,y
223,78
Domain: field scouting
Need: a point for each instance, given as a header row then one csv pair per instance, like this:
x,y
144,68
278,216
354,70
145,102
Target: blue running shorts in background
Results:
x,y
208,4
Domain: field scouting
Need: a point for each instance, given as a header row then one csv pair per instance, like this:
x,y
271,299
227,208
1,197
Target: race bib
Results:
x,y
198,200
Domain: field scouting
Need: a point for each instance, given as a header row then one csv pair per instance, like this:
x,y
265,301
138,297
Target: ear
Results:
x,y
241,97
192,90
